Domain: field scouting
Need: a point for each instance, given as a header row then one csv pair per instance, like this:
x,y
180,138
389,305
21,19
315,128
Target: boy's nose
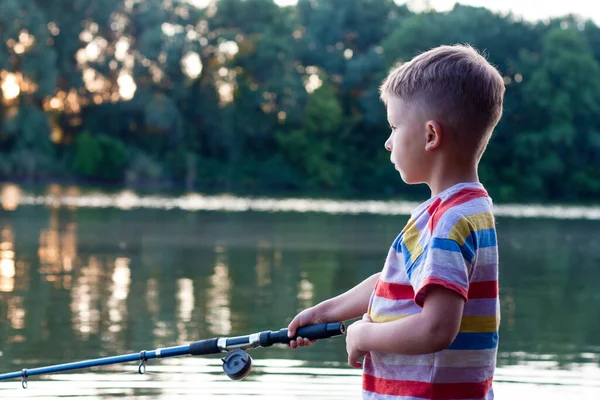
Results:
x,y
388,144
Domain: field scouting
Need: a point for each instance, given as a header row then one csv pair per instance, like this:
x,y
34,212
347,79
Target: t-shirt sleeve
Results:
x,y
448,259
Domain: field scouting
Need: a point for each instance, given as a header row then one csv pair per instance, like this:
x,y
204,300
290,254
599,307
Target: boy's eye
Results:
x,y
392,127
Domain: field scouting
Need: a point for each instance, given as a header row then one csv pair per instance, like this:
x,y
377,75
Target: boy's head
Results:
x,y
448,98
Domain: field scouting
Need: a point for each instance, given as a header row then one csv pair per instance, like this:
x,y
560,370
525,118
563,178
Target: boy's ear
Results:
x,y
433,135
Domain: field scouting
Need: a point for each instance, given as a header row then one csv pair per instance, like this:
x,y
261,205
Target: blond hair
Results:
x,y
457,85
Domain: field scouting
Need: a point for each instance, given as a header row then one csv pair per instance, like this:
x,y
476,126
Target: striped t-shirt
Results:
x,y
450,240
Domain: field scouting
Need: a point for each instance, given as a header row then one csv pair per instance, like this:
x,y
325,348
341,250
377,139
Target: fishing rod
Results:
x,y
237,364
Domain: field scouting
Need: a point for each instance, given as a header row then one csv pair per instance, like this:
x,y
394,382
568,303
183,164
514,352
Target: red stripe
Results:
x,y
459,198
394,291
483,290
431,281
434,391
433,206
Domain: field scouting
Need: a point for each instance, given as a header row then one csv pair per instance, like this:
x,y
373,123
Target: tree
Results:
x,y
314,149
563,96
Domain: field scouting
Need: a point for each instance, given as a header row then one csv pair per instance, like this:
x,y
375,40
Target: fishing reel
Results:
x,y
237,364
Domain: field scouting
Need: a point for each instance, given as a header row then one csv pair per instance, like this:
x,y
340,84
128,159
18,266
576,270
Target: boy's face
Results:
x,y
407,141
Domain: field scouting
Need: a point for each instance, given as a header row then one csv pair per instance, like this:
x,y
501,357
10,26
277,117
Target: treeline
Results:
x,y
248,96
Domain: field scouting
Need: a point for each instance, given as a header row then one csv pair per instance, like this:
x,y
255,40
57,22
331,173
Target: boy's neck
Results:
x,y
448,176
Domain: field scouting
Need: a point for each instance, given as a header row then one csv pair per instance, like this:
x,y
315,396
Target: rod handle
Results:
x,y
318,331
310,332
203,347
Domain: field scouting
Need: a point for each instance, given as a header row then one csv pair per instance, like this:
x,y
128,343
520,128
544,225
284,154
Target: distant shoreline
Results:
x,y
12,197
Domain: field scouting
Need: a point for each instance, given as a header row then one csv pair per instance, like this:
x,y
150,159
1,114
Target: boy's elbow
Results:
x,y
441,336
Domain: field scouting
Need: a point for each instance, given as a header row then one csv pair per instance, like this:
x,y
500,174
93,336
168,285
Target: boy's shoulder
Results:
x,y
466,210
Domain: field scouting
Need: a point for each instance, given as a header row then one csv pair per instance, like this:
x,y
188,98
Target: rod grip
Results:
x,y
310,332
318,331
203,347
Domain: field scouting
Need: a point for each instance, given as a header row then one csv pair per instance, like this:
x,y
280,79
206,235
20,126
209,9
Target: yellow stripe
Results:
x,y
473,324
411,240
385,318
480,323
408,225
476,222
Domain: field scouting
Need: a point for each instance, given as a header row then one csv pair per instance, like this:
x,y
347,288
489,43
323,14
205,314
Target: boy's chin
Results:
x,y
409,180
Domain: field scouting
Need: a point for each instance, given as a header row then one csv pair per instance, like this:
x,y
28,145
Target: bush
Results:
x,y
101,157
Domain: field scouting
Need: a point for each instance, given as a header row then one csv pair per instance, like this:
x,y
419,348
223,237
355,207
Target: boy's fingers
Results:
x,y
298,321
353,363
292,327
303,342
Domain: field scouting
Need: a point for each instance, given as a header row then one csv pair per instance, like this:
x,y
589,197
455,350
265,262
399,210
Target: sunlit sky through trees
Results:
x,y
528,9
12,84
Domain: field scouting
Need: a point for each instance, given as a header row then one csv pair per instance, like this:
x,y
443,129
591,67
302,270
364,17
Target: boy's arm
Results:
x,y
348,305
430,331
351,304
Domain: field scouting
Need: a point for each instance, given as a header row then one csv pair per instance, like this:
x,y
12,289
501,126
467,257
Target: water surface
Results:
x,y
81,279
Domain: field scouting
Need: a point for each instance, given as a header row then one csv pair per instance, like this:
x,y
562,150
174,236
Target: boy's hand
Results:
x,y
353,337
306,317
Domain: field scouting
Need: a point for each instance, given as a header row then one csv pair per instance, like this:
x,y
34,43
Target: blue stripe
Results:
x,y
407,256
408,264
477,239
397,243
445,244
469,246
475,341
487,238
467,249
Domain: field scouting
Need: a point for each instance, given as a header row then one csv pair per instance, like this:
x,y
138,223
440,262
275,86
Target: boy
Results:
x,y
432,314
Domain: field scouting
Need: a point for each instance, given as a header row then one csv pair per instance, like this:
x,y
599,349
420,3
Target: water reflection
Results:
x,y
185,305
7,261
85,282
160,327
152,297
117,308
10,196
305,292
219,311
86,298
263,264
276,379
13,282
58,250
16,313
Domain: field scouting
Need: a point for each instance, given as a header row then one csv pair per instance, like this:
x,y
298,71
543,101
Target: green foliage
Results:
x,y
245,121
101,158
88,155
114,158
313,149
